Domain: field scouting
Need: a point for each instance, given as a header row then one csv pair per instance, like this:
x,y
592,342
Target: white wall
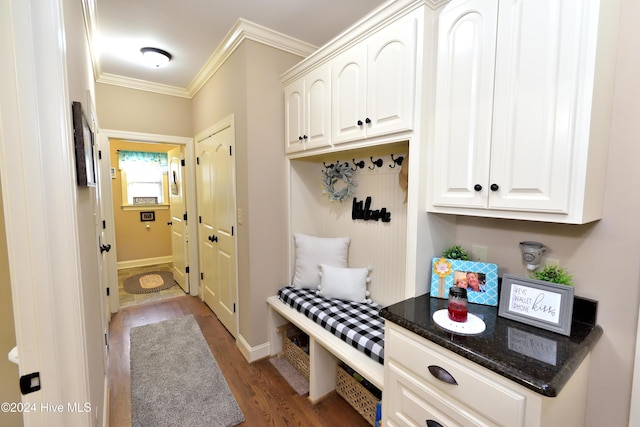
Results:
x,y
81,88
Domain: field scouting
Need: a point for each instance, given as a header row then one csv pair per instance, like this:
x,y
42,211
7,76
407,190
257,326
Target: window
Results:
x,y
143,177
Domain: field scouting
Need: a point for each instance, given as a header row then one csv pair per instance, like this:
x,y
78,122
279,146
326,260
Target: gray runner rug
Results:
x,y
175,380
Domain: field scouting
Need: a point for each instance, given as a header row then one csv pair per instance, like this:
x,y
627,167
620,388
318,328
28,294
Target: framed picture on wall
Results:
x,y
83,144
147,216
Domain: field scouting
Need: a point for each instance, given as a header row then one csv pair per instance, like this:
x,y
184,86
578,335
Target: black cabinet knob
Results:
x,y
105,248
213,238
170,223
359,122
433,423
494,187
477,187
367,120
305,137
300,138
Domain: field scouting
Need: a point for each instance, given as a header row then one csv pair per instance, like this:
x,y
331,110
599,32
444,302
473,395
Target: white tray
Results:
x,y
474,325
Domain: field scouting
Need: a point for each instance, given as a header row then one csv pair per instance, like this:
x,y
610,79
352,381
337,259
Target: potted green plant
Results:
x,y
554,274
455,252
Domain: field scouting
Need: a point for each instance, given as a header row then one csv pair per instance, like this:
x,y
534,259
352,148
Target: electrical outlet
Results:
x,y
240,217
478,253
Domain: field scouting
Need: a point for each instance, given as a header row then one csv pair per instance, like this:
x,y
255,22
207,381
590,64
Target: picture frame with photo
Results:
x,y
479,278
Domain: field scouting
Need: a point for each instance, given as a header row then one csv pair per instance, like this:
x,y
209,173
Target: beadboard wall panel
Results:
x,y
381,245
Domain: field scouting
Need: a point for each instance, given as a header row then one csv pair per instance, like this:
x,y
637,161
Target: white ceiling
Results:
x,y
191,30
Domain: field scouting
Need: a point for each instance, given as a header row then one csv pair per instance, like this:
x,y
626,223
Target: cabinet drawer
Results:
x,y
476,386
413,402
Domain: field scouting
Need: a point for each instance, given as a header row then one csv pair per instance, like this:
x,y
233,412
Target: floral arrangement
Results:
x,y
338,172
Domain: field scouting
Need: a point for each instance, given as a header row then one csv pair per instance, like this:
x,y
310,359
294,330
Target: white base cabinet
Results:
x,y
413,396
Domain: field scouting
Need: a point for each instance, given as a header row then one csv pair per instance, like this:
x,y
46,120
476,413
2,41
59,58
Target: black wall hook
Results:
x,y
327,166
375,163
358,165
396,161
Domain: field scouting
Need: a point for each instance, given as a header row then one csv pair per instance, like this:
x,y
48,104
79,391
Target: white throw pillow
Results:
x,y
344,283
312,251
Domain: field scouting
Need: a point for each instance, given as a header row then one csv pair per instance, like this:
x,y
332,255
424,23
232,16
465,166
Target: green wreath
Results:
x,y
339,172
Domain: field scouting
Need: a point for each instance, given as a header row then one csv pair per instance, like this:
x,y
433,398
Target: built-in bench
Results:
x,y
325,351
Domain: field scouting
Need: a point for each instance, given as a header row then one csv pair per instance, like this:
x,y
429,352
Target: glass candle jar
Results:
x,y
457,304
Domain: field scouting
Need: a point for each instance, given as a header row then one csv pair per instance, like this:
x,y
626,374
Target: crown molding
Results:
x,y
247,30
91,29
131,83
242,30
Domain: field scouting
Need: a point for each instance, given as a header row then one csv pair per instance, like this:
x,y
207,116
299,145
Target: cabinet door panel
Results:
x,y
391,77
539,53
464,93
348,84
294,116
318,108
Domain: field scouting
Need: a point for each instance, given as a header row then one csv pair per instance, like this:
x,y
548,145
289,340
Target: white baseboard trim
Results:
x,y
106,403
252,353
144,262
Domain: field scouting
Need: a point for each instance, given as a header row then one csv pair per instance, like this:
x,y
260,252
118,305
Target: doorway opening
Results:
x,y
147,190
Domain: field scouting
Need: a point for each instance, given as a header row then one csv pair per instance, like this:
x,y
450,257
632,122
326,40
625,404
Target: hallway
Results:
x,y
266,399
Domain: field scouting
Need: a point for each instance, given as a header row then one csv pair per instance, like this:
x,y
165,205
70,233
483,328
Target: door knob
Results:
x,y
105,248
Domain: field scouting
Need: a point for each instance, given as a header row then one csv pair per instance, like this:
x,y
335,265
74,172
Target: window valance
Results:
x,y
142,158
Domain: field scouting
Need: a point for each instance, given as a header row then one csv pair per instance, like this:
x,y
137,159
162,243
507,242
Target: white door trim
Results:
x,y
39,191
190,177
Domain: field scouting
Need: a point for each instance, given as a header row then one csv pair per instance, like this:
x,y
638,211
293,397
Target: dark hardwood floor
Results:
x,y
266,399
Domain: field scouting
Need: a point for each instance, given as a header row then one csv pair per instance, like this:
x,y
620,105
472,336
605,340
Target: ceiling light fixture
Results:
x,y
155,57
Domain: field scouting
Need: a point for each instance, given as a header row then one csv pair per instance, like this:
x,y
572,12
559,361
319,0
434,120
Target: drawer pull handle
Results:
x,y
442,374
432,423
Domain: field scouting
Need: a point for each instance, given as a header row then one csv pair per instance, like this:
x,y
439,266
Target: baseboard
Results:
x,y
252,353
107,402
144,262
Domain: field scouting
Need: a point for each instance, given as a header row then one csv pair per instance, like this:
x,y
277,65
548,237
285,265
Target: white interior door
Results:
x,y
216,224
178,223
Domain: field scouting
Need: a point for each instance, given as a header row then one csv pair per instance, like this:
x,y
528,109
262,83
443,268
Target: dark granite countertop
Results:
x,y
537,359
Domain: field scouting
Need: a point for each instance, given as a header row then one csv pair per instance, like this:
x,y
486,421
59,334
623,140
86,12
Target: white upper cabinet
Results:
x,y
308,111
373,83
517,134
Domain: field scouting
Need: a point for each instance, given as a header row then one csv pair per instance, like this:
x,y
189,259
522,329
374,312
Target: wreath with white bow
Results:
x,y
339,173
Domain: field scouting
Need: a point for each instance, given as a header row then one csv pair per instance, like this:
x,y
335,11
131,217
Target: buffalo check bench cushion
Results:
x,y
358,324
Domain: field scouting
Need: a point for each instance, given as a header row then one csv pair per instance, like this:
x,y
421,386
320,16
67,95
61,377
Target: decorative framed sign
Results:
x,y
479,278
538,303
147,216
83,147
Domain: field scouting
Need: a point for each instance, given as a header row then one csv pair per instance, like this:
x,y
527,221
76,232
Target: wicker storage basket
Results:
x,y
295,355
358,397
